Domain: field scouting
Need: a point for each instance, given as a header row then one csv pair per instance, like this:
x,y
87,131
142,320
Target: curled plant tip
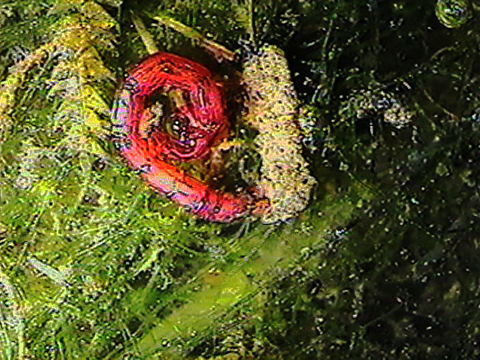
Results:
x,y
272,109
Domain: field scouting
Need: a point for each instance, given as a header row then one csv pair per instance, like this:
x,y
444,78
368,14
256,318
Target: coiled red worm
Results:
x,y
195,106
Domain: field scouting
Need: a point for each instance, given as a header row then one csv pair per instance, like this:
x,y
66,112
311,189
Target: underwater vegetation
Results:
x,y
345,144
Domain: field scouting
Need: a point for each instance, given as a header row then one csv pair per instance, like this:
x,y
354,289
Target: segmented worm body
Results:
x,y
170,109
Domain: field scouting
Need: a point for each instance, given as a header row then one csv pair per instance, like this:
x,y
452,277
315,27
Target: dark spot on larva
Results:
x,y
146,168
198,206
170,194
131,85
229,218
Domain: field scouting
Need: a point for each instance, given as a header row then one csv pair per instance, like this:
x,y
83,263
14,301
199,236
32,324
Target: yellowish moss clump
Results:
x,y
272,109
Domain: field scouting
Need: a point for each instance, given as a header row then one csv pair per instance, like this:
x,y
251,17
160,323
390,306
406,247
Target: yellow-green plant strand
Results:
x,y
145,35
218,50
